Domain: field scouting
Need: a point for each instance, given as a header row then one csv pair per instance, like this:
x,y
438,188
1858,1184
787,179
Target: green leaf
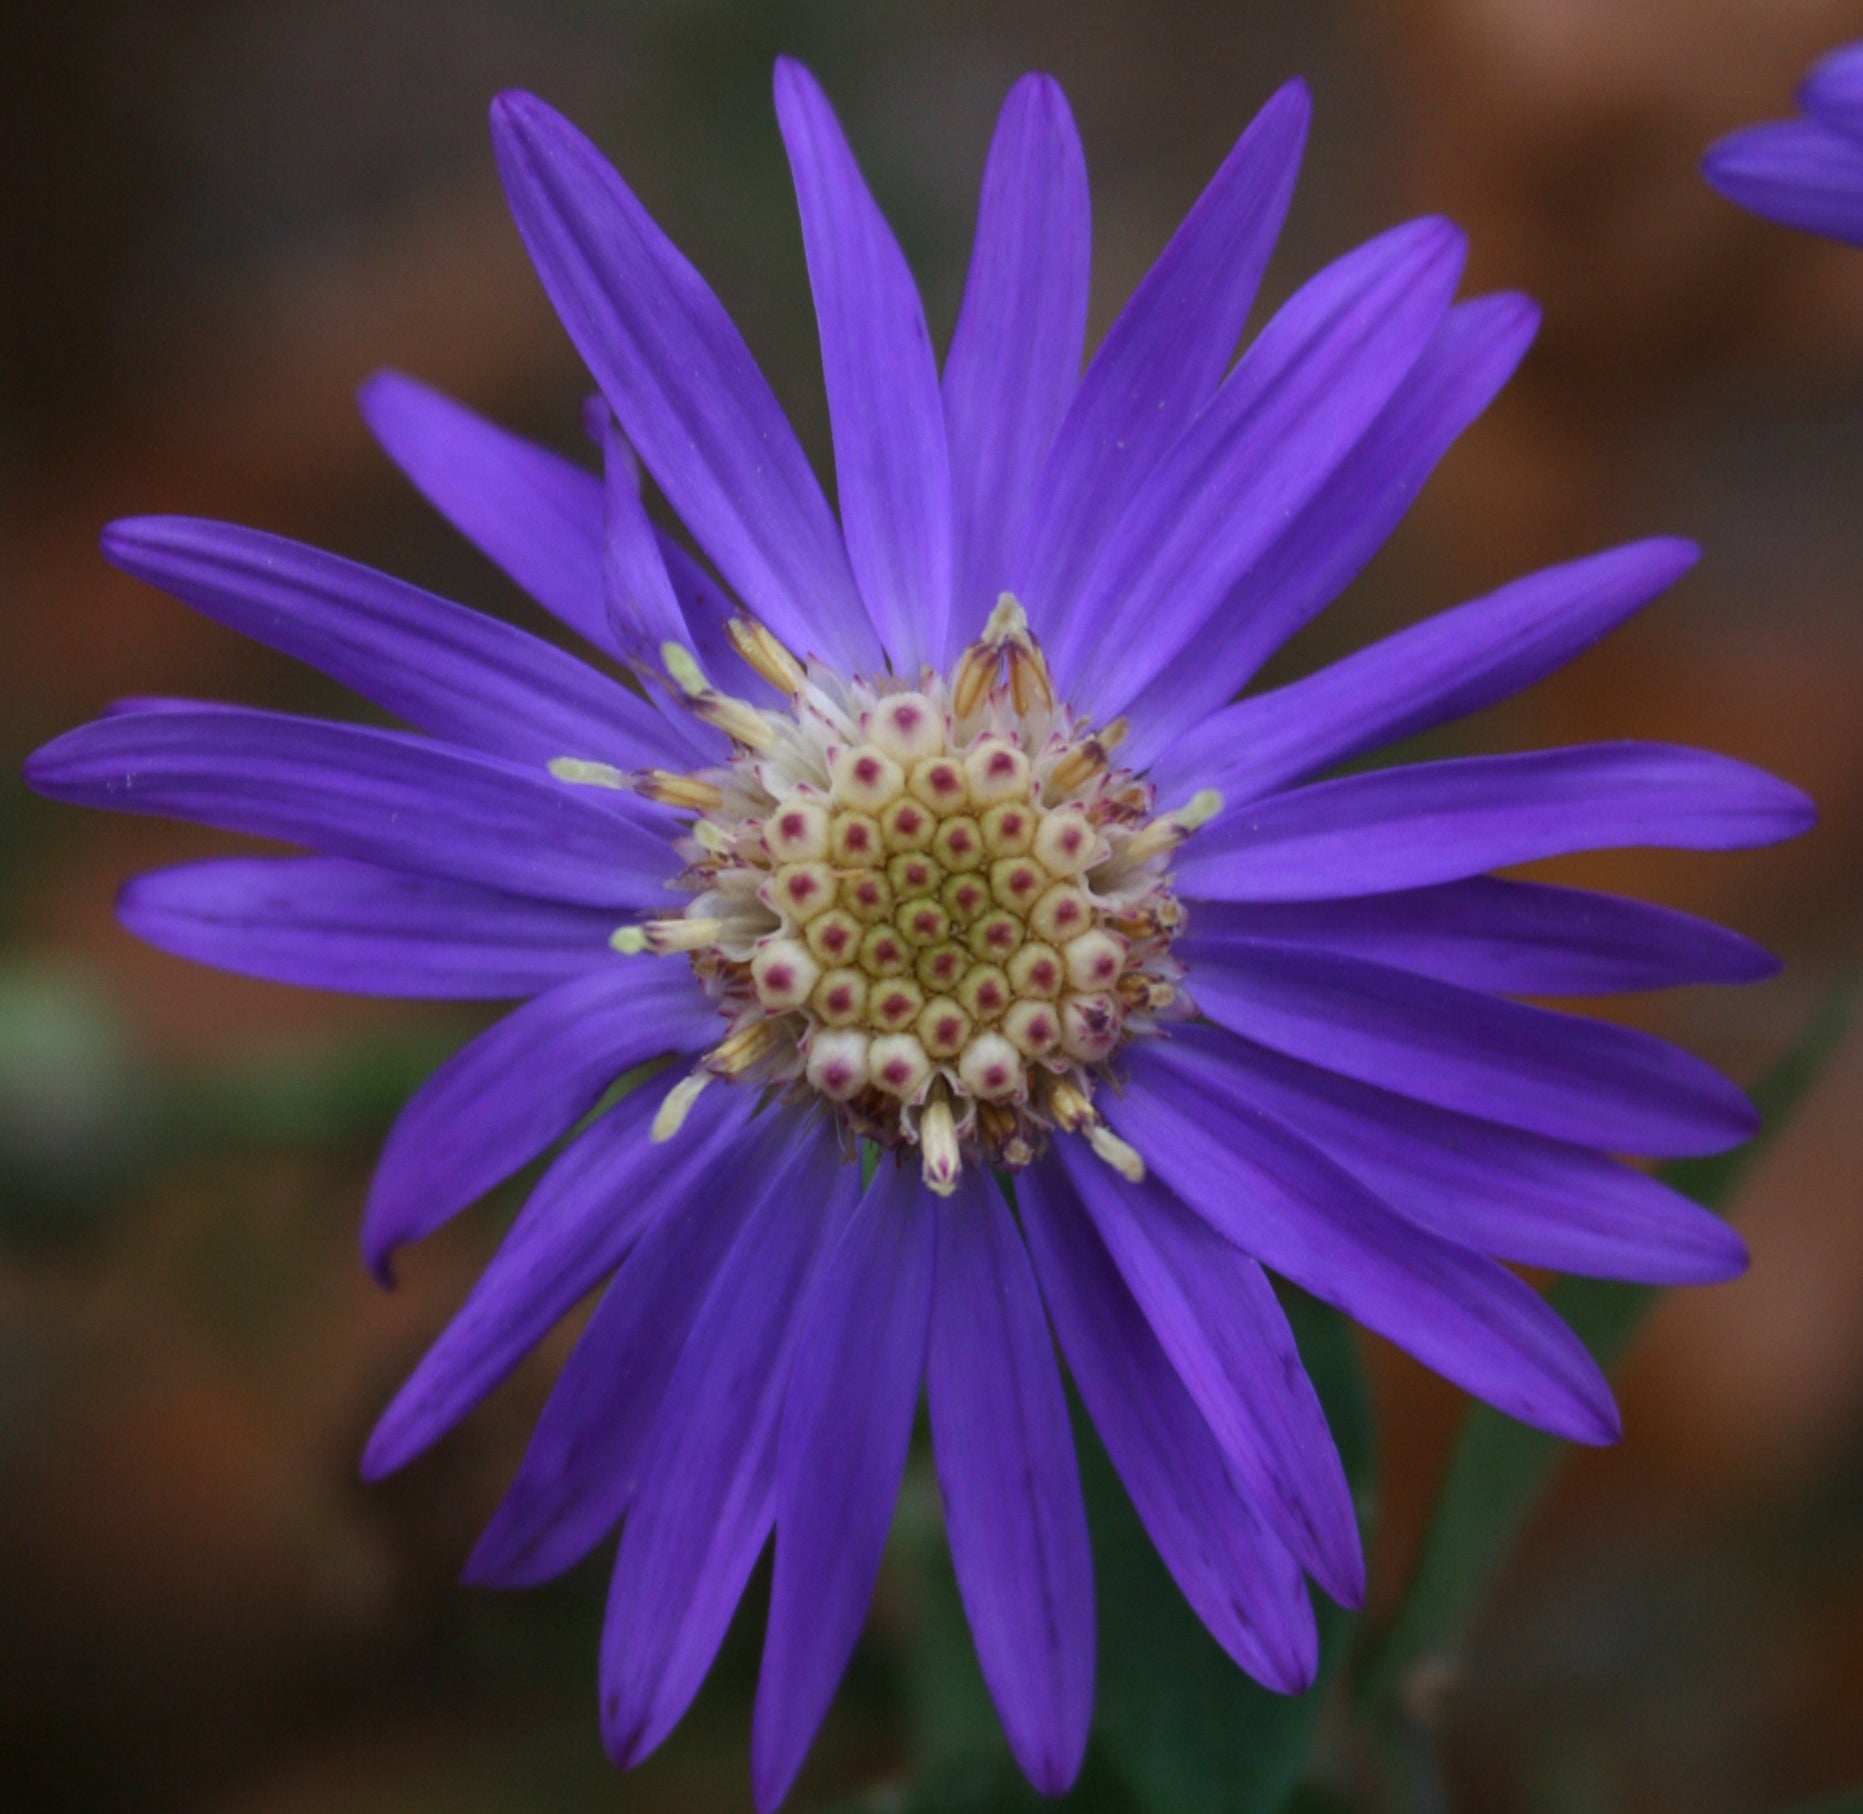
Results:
x,y
1499,1467
1189,1731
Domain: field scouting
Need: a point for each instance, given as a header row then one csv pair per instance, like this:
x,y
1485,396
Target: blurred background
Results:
x,y
218,216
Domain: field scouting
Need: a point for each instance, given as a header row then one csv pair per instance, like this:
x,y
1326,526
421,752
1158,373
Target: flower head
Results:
x,y
1806,172
938,834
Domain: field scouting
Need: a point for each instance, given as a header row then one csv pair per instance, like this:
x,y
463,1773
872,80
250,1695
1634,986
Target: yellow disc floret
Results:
x,y
939,910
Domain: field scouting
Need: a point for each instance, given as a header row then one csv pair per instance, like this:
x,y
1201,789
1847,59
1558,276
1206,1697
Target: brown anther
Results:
x,y
1077,767
763,652
681,935
737,718
1029,683
996,1124
733,1055
977,669
1070,1106
670,789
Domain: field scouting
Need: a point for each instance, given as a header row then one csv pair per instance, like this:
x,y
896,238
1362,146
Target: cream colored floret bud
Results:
x,y
784,971
838,1064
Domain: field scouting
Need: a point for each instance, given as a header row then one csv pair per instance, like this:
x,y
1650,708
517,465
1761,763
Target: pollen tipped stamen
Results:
x,y
1122,1157
766,655
660,936
738,1052
670,1117
579,773
687,791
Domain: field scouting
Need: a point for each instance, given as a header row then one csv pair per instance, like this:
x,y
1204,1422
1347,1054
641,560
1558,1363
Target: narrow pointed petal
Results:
x,y
454,673
891,471
1517,938
1832,90
708,1478
1518,1196
1158,363
1443,668
1289,1206
1217,1319
1011,1488
583,1466
1442,821
643,612
1561,1075
847,1423
1302,396
532,513
1240,1580
682,382
1473,353
327,923
643,609
1801,173
608,1188
376,796
523,1083
1015,353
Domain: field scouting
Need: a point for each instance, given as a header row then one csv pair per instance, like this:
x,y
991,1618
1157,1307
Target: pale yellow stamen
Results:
x,y
579,773
1124,1159
630,941
768,656
670,1117
681,935
680,790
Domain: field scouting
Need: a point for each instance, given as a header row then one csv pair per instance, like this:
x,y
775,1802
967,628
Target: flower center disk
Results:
x,y
939,909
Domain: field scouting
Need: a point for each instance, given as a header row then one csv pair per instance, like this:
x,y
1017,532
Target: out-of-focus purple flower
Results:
x,y
939,832
1806,172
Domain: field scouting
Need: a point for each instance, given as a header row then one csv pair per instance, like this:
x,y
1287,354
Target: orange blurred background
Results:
x,y
218,216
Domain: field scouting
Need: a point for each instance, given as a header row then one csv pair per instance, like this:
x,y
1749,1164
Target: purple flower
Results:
x,y
1806,172
957,851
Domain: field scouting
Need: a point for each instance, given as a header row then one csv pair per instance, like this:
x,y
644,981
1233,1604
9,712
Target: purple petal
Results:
x,y
1833,89
1217,1318
377,796
328,923
1305,392
532,513
891,471
1015,354
643,612
1518,938
1518,1196
1446,667
708,1477
607,1189
1006,1472
643,609
583,1466
1159,362
1287,1204
1555,1074
1801,173
523,1083
684,385
1441,821
454,673
1325,547
847,1423
1239,1579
